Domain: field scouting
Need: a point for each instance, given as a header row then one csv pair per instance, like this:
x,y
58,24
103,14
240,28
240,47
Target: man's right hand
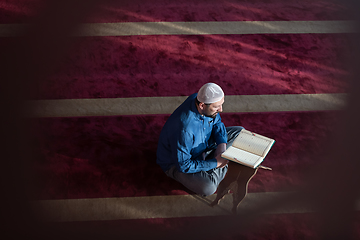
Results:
x,y
221,162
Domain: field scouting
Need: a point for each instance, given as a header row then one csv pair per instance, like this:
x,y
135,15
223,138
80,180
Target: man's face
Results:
x,y
213,109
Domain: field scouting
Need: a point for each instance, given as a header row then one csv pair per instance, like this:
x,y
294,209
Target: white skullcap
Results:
x,y
210,93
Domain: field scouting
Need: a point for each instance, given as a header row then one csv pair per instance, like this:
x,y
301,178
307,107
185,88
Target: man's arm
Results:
x,y
182,153
219,132
221,162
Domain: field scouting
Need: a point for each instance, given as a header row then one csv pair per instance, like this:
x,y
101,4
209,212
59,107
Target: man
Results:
x,y
192,140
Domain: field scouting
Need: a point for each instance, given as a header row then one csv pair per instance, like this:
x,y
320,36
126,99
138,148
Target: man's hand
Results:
x,y
221,162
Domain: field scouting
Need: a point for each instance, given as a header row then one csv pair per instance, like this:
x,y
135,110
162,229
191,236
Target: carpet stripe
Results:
x,y
198,28
226,27
166,105
160,207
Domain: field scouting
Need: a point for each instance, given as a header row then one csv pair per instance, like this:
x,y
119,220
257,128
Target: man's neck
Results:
x,y
199,110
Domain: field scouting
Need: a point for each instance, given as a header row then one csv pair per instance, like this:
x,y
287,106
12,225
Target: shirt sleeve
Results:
x,y
219,131
182,153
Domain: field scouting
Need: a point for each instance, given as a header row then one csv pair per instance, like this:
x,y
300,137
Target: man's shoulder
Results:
x,y
186,105
184,115
192,96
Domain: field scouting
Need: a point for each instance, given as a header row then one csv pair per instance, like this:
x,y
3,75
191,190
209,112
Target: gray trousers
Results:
x,y
205,183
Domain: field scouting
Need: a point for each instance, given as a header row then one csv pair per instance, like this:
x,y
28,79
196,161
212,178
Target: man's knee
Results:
x,y
207,189
202,183
234,129
232,133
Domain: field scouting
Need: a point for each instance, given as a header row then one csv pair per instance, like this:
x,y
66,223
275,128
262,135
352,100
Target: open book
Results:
x,y
249,149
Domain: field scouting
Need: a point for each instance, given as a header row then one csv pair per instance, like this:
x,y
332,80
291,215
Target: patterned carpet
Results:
x,y
101,157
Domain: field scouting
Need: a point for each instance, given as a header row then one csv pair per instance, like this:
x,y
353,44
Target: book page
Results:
x,y
253,142
243,157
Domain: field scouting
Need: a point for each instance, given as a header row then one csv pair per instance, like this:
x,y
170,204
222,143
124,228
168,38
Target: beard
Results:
x,y
211,115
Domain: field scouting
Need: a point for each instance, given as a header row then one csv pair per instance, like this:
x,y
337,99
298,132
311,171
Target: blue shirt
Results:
x,y
186,135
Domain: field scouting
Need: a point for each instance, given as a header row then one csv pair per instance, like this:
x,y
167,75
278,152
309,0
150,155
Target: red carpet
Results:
x,y
90,157
275,226
301,226
18,11
140,66
98,157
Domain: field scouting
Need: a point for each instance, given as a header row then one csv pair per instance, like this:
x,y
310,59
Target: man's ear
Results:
x,y
202,105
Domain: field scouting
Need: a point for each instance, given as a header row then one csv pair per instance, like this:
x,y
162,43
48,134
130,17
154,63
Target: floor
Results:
x,y
57,105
